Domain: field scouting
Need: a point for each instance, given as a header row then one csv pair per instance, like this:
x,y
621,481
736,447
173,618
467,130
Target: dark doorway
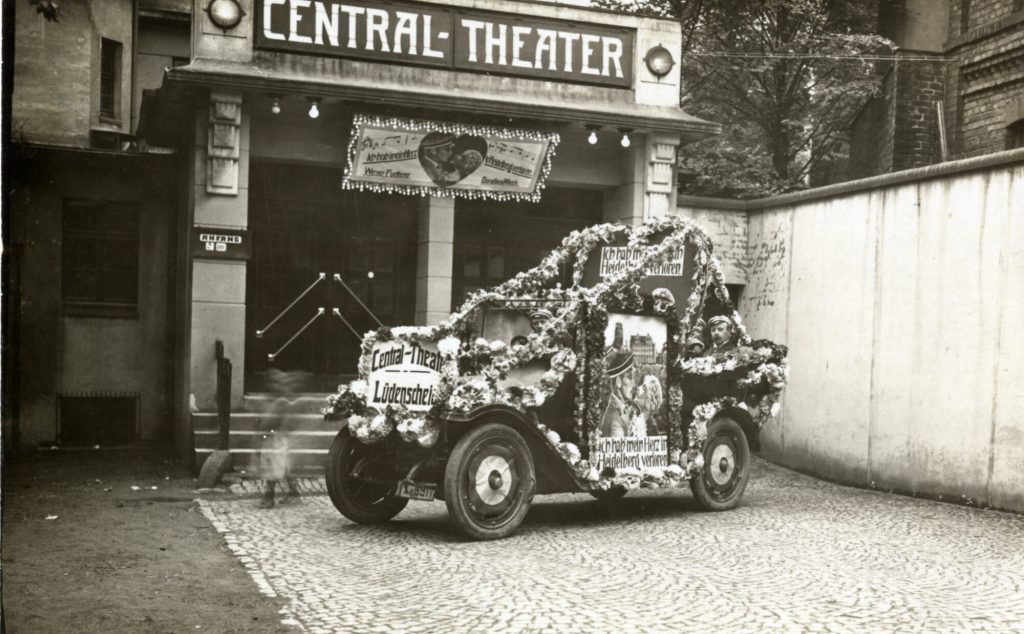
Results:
x,y
495,240
303,225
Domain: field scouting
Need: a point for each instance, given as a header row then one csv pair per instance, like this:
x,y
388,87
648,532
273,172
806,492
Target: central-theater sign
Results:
x,y
458,39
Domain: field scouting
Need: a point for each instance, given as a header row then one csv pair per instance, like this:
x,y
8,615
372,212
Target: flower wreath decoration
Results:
x,y
755,371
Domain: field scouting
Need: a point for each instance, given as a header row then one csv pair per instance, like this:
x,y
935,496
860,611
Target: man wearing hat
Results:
x,y
436,150
621,408
539,318
723,334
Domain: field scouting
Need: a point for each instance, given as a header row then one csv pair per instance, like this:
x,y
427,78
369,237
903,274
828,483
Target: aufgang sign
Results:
x,y
459,39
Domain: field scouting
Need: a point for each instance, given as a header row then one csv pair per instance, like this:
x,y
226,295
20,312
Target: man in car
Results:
x,y
723,334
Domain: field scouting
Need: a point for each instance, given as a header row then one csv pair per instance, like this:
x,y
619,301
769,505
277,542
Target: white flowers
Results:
x,y
418,429
569,452
369,430
449,346
358,387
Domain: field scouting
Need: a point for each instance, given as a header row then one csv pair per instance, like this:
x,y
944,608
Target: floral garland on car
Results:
x,y
493,359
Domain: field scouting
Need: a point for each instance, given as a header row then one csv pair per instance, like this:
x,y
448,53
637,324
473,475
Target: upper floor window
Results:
x,y
110,78
965,15
1015,135
100,259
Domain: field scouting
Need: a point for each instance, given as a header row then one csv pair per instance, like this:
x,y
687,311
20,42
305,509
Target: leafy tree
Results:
x,y
785,78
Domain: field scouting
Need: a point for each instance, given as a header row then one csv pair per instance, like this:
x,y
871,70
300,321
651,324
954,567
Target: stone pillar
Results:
x,y
660,174
434,260
220,198
625,203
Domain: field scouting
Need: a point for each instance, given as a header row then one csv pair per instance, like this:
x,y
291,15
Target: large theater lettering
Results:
x,y
460,39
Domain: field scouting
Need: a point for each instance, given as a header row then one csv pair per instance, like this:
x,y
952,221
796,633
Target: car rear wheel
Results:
x,y
489,482
361,501
721,482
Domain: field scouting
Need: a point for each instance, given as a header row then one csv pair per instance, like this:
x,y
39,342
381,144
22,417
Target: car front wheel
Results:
x,y
489,482
349,463
721,481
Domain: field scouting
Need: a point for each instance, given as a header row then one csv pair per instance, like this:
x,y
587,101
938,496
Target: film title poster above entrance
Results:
x,y
433,158
456,39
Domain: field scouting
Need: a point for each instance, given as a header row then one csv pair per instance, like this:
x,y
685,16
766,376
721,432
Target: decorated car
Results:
x,y
583,374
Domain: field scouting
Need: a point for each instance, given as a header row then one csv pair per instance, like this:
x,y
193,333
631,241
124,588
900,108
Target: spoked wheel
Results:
x,y
606,496
489,482
360,501
721,482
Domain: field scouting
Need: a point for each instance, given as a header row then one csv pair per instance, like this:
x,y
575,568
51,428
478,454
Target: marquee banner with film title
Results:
x,y
427,158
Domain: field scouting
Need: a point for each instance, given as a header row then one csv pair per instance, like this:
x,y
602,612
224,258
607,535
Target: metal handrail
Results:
x,y
319,312
261,332
337,278
337,313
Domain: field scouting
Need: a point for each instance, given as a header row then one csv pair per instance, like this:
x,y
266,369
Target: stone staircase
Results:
x,y
309,435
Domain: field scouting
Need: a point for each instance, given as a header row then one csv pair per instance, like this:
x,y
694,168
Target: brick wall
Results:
x,y
979,78
985,77
899,129
979,13
871,135
916,139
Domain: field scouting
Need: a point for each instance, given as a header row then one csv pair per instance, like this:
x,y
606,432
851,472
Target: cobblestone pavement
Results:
x,y
799,555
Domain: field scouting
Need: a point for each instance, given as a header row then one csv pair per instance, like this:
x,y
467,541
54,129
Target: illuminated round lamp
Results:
x,y
226,14
659,61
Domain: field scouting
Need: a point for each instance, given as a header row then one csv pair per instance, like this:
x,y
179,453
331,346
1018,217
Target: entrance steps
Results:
x,y
298,419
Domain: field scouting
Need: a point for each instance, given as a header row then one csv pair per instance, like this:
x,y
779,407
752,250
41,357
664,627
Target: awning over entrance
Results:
x,y
472,95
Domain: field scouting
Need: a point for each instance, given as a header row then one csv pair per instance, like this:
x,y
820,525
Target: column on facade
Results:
x,y
647,186
434,259
660,174
220,199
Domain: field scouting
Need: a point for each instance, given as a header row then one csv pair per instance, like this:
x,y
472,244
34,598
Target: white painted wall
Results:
x,y
903,308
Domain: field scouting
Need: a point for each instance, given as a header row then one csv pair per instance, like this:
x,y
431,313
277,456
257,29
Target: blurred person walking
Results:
x,y
275,459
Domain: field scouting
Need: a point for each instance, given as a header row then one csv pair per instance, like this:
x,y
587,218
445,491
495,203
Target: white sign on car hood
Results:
x,y
403,373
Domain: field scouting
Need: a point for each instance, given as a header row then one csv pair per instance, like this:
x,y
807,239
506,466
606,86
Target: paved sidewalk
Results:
x,y
800,555
111,541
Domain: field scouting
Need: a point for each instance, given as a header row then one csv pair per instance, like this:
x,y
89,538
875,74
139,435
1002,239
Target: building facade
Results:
x,y
955,89
260,226
90,243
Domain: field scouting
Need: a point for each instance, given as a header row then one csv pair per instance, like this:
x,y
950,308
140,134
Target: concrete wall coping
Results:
x,y
997,159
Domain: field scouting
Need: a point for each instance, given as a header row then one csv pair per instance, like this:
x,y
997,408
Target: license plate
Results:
x,y
416,491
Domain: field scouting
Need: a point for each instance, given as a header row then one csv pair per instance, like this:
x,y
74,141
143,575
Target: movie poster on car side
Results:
x,y
633,428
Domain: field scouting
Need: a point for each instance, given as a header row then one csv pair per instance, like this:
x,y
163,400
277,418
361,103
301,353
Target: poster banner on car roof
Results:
x,y
422,158
617,259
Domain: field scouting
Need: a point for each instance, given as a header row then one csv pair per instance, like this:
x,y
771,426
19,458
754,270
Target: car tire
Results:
x,y
723,478
362,502
489,482
608,496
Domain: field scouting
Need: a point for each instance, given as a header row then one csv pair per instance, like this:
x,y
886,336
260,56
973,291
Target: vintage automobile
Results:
x,y
601,386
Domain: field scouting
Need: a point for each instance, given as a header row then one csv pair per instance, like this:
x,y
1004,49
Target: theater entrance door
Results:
x,y
326,264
